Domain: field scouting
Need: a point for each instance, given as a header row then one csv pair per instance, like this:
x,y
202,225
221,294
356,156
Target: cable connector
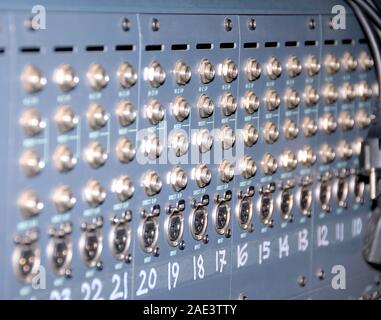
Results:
x,y
370,156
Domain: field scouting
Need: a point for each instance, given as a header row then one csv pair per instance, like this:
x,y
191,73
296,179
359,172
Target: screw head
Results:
x,y
156,252
312,24
252,24
228,24
182,245
128,259
321,274
302,281
68,273
155,25
126,24
330,23
99,266
28,24
242,296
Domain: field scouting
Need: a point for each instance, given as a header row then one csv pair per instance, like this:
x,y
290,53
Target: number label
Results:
x,y
242,255
120,291
198,267
356,227
284,248
339,227
322,236
264,251
220,260
92,290
173,274
147,282
303,240
64,294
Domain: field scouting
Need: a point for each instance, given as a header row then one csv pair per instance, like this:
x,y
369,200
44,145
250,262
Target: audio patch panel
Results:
x,y
200,154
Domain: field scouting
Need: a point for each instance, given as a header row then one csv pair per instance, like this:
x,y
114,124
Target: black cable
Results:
x,y
370,148
373,43
377,32
377,4
373,5
370,12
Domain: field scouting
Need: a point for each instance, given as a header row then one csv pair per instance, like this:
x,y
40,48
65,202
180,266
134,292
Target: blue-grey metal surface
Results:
x,y
186,6
292,259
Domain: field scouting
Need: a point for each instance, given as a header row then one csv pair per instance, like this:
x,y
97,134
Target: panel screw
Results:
x,y
330,23
182,245
99,266
252,24
68,273
156,252
228,24
320,274
126,24
302,281
128,259
312,24
242,296
28,24
155,25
